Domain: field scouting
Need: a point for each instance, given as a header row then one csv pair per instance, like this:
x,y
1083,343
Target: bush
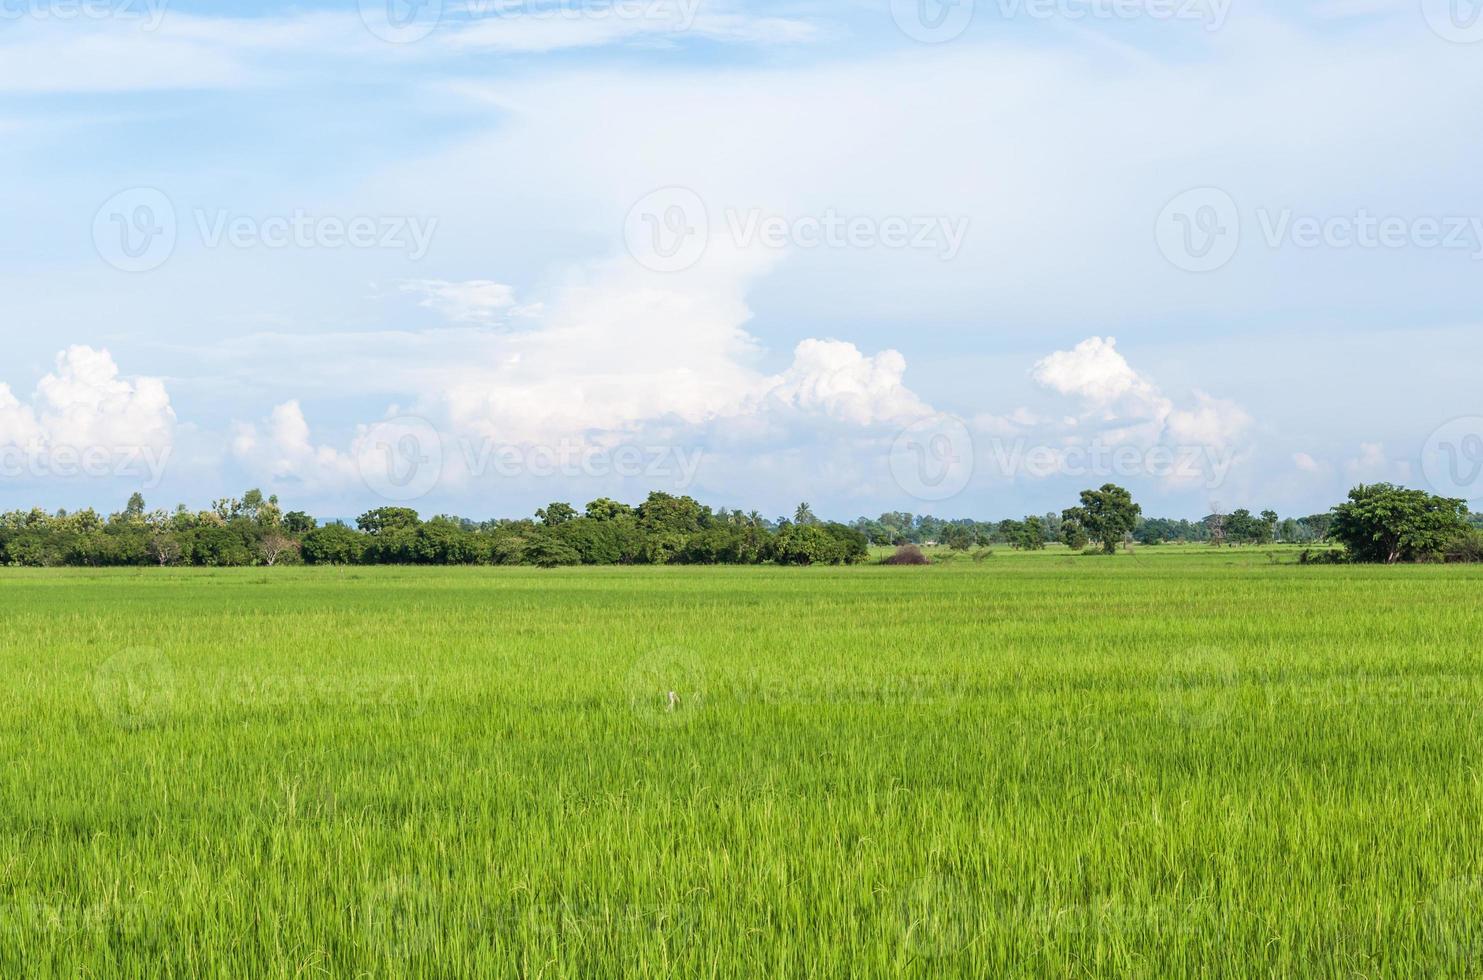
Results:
x,y
1467,546
907,554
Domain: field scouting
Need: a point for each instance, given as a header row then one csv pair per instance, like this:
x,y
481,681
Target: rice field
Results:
x,y
1177,762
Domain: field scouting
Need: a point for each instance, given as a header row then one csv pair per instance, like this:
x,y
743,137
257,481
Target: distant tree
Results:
x,y
334,544
275,546
662,513
1073,535
556,514
298,522
1386,523
804,515
1106,515
384,519
959,536
1317,525
1031,535
603,509
164,548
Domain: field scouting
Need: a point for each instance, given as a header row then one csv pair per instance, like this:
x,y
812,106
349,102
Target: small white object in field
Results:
x,y
674,699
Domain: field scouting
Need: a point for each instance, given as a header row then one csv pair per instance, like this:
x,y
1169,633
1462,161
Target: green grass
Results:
x,y
1183,761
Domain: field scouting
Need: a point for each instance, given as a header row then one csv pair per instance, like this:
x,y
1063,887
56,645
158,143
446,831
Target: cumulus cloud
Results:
x,y
834,379
83,403
619,356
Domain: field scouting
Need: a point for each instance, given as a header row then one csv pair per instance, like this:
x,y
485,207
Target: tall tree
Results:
x,y
1107,515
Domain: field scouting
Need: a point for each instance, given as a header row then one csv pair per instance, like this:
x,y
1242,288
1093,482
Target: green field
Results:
x,y
1183,761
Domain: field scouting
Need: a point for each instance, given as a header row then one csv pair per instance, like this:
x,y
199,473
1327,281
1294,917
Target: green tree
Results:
x,y
603,509
334,544
384,519
1386,523
298,522
1031,535
1073,535
556,514
1106,515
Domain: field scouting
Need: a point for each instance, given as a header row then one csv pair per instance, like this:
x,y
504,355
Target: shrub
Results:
x,y
907,554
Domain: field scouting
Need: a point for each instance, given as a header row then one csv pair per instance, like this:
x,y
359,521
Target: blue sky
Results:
x,y
960,259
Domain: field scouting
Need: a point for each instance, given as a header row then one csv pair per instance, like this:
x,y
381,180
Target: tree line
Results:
x,y
1378,523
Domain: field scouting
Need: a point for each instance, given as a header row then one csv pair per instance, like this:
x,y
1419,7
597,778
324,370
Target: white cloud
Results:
x,y
834,379
1374,465
473,301
85,404
1308,464
1095,372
